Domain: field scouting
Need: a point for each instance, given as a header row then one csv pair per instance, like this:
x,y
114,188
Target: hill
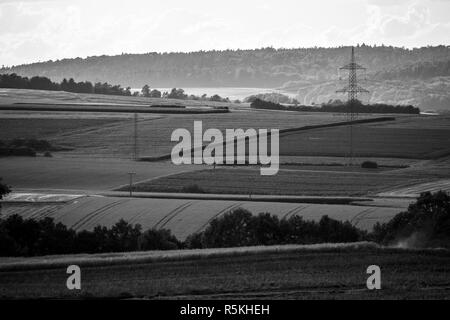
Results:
x,y
418,76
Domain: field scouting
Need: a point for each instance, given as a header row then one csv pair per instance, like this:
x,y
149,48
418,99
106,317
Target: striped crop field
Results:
x,y
183,216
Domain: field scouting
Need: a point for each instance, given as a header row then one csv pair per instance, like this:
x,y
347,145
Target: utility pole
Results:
x,y
135,149
131,182
352,89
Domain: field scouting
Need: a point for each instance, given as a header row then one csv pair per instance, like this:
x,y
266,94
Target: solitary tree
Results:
x,y
146,90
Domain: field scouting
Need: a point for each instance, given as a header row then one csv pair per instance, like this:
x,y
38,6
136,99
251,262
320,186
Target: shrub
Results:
x,y
124,236
48,154
158,240
22,152
194,241
192,188
266,230
426,223
369,165
230,230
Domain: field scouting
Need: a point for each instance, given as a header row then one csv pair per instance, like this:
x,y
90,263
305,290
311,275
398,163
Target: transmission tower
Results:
x,y
352,89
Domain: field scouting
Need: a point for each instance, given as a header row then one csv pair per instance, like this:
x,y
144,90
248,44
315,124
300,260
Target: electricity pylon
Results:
x,y
352,89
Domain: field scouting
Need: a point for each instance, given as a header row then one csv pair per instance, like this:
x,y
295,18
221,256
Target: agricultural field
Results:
x,y
369,141
43,128
291,273
185,216
114,137
285,182
8,96
82,174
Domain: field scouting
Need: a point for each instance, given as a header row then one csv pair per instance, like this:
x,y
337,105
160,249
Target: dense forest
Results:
x,y
419,76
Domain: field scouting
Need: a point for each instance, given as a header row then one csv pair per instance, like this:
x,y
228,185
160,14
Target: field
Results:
x,y
187,216
113,137
82,174
76,188
8,96
291,182
369,141
286,274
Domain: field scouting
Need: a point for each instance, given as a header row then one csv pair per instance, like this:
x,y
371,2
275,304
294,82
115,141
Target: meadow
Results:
x,y
338,273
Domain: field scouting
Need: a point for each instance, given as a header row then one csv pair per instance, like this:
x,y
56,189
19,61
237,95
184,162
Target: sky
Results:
x,y
41,30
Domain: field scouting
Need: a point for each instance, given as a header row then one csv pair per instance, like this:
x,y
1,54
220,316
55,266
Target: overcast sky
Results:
x,y
35,30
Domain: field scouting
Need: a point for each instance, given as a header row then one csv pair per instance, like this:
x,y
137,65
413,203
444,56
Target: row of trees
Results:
x,y
28,237
15,81
356,107
178,93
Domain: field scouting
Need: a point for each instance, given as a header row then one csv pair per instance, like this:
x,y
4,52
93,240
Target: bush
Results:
x,y
23,152
426,223
4,189
48,154
266,230
158,240
123,236
369,165
192,188
230,230
38,145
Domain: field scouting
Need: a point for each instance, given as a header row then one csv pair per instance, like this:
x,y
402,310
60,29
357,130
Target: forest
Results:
x,y
418,76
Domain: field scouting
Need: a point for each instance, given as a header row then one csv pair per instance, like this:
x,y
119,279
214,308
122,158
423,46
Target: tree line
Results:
x,y
15,81
356,107
178,93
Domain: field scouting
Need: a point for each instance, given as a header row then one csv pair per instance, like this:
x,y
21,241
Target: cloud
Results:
x,y
409,26
54,29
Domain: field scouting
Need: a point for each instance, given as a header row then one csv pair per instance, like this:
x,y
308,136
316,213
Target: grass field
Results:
x,y
289,182
331,273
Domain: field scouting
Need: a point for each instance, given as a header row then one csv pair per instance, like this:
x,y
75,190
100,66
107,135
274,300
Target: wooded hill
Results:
x,y
313,69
